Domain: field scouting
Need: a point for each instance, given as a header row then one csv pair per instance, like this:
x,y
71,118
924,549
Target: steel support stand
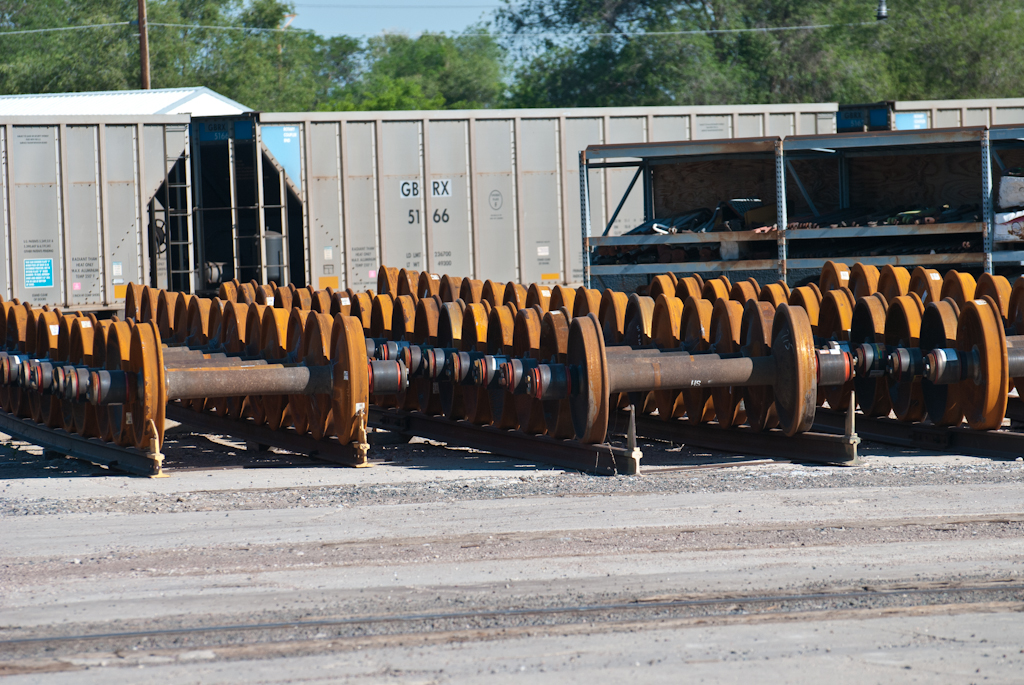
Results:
x,y
780,198
585,216
987,206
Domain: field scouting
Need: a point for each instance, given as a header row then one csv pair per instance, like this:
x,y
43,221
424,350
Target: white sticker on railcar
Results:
x,y
409,188
543,250
441,187
328,253
116,269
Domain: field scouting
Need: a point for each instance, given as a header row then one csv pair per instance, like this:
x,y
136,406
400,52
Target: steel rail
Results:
x,y
92,450
328,449
545,611
817,447
600,459
996,444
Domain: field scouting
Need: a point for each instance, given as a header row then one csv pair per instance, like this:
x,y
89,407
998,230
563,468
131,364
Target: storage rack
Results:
x,y
829,158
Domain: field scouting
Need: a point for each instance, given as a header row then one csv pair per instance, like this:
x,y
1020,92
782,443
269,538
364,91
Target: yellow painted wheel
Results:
x,y
983,398
834,275
725,337
562,298
695,335
554,343
690,286
500,330
387,281
471,291
756,335
539,296
834,320
903,329
927,283
429,285
317,351
774,294
938,331
612,314
663,284
996,287
665,326
588,301
863,280
715,289
474,339
893,282
959,287
147,396
743,291
868,327
274,338
350,399
526,344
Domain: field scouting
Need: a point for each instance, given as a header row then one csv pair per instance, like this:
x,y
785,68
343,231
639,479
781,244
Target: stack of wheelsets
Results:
x,y
541,360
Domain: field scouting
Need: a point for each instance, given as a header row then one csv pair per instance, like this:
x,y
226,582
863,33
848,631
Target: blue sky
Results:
x,y
370,17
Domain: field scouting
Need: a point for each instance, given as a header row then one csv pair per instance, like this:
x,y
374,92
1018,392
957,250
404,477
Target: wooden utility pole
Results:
x,y
143,45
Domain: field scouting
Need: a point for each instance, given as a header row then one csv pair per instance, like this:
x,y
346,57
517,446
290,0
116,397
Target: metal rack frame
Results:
x,y
842,146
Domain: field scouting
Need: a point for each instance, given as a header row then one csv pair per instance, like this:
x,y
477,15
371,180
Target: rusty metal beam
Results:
x,y
600,459
804,447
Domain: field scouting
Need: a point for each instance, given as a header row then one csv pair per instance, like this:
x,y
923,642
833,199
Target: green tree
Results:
x,y
269,70
628,52
432,71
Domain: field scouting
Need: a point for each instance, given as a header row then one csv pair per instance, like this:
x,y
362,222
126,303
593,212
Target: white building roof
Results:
x,y
199,101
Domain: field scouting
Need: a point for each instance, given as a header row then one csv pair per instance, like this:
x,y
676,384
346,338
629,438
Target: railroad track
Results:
x,y
643,611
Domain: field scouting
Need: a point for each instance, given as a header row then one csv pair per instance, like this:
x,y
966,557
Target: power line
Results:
x,y
397,7
64,28
230,28
524,35
695,32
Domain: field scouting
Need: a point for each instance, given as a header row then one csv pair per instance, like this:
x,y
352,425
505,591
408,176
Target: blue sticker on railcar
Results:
x,y
283,142
38,273
911,121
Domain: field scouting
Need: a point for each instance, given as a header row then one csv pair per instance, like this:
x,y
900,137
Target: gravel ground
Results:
x,y
881,466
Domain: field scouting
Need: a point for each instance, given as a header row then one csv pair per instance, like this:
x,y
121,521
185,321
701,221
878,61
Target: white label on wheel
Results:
x,y
545,292
346,375
844,275
128,418
435,277
54,329
85,323
360,406
344,302
978,302
270,301
935,276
